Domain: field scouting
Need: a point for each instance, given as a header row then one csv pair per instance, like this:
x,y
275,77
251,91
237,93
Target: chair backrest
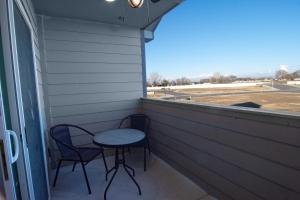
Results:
x,y
61,135
140,122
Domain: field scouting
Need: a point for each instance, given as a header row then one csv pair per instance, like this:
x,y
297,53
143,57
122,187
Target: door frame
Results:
x,y
5,161
8,65
15,85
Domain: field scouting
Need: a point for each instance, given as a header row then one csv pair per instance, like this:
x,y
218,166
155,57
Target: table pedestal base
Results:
x,y
119,162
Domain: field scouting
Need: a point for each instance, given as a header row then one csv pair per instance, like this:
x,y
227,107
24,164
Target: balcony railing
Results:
x,y
231,153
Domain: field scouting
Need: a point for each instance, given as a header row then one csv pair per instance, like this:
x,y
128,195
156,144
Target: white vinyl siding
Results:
x,y
93,74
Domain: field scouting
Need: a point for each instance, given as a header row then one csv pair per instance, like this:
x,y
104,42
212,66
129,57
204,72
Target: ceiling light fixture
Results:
x,y
135,3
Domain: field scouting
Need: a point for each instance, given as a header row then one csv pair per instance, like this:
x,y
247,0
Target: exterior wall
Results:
x,y
231,153
93,74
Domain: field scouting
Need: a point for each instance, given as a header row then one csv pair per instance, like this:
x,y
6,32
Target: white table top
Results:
x,y
119,137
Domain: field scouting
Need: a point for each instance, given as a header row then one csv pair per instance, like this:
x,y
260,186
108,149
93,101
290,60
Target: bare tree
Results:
x,y
281,74
217,78
154,79
296,74
183,81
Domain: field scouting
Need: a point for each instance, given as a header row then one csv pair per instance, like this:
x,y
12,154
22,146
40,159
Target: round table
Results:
x,y
119,139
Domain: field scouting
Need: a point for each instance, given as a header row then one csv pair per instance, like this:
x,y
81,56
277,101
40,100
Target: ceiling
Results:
x,y
117,12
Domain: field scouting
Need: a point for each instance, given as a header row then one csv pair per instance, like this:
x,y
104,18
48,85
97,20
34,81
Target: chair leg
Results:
x,y
105,165
148,145
145,158
128,149
57,171
74,165
86,178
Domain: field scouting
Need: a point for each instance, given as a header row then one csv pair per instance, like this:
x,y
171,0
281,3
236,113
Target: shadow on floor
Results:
x,y
159,182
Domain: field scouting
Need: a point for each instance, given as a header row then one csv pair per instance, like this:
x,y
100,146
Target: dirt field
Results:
x,y
284,101
204,91
225,90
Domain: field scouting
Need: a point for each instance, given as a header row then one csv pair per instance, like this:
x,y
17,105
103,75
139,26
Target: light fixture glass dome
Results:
x,y
135,3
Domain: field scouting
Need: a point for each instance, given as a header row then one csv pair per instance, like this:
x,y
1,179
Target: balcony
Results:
x,y
89,69
205,150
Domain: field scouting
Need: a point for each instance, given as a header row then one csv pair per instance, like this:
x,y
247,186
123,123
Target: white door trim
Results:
x,y
9,184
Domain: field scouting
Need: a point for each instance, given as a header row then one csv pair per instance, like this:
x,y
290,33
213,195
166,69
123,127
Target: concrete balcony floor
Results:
x,y
159,182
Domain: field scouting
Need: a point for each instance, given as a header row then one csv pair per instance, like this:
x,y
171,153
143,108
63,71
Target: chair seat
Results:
x,y
87,154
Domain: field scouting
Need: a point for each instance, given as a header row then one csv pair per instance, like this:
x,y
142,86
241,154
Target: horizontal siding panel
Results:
x,y
64,68
281,175
258,129
263,166
211,178
93,118
64,100
192,148
93,108
259,147
96,127
52,23
93,88
94,78
93,38
100,126
52,45
57,56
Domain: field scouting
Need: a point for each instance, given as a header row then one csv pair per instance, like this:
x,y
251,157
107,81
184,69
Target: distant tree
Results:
x,y
232,77
289,77
165,82
183,81
172,82
155,79
296,74
217,78
205,80
281,74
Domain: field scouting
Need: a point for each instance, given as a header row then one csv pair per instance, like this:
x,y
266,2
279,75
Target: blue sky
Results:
x,y
241,37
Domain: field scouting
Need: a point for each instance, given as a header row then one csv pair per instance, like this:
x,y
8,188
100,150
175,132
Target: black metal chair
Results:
x,y
142,123
61,134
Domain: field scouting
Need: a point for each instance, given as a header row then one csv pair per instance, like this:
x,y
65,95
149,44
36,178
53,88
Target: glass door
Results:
x,y
9,144
29,107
